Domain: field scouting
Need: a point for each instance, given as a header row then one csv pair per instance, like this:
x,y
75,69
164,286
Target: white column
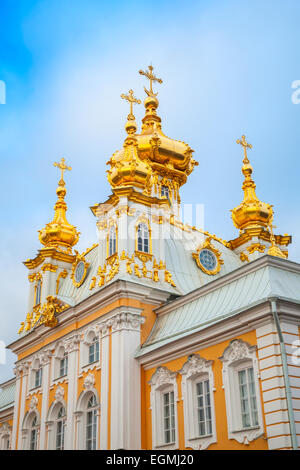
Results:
x,y
17,372
71,346
125,382
104,331
25,369
45,359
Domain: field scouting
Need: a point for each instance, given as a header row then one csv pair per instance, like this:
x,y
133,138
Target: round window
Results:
x,y
79,272
208,259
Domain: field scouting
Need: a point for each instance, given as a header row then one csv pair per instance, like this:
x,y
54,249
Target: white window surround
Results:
x,y
89,336
195,369
35,366
237,356
162,381
27,424
81,411
5,436
53,414
57,357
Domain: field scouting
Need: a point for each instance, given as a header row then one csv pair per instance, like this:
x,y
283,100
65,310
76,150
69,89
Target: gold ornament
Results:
x,y
59,233
208,246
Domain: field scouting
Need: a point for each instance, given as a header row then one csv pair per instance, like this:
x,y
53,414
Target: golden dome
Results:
x,y
59,232
152,155
251,212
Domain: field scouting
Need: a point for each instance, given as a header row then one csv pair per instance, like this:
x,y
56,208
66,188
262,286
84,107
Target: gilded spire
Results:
x,y
59,233
251,212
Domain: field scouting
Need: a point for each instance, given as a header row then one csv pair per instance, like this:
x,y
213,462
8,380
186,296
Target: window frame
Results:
x,y
194,370
95,344
140,246
238,356
112,242
60,420
163,381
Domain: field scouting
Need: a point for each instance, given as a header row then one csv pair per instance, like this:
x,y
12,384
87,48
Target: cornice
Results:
x,y
109,294
203,337
52,253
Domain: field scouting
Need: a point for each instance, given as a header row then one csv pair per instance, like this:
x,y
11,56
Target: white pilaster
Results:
x,y
104,331
125,382
23,392
17,372
45,362
71,346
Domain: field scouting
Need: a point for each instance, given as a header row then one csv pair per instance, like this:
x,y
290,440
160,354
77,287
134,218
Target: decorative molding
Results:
x,y
89,382
71,344
59,394
33,403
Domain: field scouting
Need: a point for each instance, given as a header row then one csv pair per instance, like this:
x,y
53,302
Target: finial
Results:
x,y
131,99
245,144
251,212
274,250
59,233
63,167
152,78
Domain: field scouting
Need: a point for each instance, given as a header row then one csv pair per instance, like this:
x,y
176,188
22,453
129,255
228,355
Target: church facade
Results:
x,y
161,335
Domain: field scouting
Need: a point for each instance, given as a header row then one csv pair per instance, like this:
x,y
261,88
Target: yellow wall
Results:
x,y
209,353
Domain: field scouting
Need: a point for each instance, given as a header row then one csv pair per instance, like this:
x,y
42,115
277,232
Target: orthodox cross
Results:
x,y
150,75
62,166
131,99
245,144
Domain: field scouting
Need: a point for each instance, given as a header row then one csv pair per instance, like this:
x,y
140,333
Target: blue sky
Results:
x,y
228,68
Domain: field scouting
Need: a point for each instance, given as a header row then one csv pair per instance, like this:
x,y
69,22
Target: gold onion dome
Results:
x,y
59,232
155,154
251,213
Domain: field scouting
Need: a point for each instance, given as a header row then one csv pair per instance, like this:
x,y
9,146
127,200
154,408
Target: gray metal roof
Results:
x,y
7,395
224,301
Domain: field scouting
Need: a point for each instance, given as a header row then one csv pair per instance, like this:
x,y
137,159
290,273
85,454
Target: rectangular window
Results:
x,y
169,417
94,352
165,191
60,436
38,289
33,439
248,398
63,366
91,430
38,377
203,408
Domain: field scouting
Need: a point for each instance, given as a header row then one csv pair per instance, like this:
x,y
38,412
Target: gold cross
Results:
x,y
245,145
62,166
131,99
152,78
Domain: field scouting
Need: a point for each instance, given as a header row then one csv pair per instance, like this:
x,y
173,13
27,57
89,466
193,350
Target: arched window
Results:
x,y
112,247
60,429
143,238
38,289
33,434
91,423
